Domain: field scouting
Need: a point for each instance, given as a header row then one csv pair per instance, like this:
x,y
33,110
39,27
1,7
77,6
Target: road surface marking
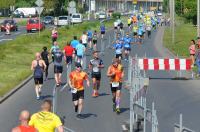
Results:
x,y
124,128
5,40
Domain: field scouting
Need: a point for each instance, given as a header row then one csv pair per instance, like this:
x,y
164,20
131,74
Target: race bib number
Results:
x,y
74,90
115,84
95,69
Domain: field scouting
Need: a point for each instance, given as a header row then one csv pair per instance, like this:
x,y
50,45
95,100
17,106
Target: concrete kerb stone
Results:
x,y
19,86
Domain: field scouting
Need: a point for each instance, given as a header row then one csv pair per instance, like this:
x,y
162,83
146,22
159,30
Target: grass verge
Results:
x,y
184,32
16,55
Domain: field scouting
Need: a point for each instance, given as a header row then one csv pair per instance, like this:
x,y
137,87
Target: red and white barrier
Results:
x,y
164,64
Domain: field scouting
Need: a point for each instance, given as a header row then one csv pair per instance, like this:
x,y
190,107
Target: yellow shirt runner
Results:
x,y
45,121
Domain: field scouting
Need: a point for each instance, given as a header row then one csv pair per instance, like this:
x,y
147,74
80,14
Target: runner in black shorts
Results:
x,y
38,66
95,65
58,68
76,81
116,74
95,36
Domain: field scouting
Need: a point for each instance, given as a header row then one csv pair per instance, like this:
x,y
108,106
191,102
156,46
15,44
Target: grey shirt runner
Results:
x,y
58,57
95,65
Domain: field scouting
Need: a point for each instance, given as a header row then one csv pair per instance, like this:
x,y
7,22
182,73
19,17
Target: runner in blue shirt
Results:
x,y
80,48
140,34
103,30
74,43
90,34
127,46
118,46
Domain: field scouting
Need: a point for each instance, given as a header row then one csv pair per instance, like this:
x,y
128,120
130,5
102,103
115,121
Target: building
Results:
x,y
123,5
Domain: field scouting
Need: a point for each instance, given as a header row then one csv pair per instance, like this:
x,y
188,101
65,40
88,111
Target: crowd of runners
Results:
x,y
139,26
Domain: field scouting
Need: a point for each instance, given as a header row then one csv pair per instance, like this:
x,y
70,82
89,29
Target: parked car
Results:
x,y
34,25
62,21
13,25
102,15
76,18
48,20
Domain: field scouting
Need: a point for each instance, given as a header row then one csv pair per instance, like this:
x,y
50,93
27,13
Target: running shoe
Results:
x,y
94,94
117,111
38,98
97,94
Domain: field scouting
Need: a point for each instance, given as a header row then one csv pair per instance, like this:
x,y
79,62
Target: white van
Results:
x,y
27,12
76,18
63,21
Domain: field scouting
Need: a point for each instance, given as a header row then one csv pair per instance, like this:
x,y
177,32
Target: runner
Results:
x,y
96,64
103,30
68,52
116,73
129,23
135,29
90,35
140,34
45,57
45,120
24,127
58,68
149,31
76,81
53,49
80,48
95,36
192,50
38,66
84,39
127,46
118,46
198,61
8,27
54,35
115,26
74,43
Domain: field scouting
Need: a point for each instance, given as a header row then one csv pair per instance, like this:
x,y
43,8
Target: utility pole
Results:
x,y
198,18
173,20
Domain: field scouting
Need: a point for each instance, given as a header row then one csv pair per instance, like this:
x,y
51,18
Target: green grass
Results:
x,y
184,32
22,23
16,55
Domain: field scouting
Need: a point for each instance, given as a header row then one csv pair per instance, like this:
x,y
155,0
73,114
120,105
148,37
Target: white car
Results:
x,y
102,15
76,18
63,21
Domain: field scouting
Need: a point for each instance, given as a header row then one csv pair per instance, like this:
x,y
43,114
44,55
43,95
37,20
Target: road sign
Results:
x,y
39,9
39,3
72,4
71,10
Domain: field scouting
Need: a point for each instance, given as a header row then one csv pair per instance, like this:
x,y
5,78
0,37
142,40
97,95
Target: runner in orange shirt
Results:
x,y
76,82
116,74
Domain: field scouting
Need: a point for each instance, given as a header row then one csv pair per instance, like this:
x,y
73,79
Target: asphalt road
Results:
x,y
171,98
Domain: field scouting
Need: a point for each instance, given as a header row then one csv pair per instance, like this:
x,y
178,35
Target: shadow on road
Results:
x,y
124,110
84,116
103,94
46,96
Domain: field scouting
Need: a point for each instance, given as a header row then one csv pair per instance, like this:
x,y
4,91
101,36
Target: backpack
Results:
x,y
38,72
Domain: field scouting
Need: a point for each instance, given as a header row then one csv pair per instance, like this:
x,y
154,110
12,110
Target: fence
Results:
x,y
138,83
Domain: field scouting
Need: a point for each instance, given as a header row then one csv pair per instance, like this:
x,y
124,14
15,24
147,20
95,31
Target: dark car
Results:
x,y
48,20
13,25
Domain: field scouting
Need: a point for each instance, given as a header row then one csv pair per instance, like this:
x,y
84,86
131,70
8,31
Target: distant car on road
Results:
x,y
27,12
13,25
76,18
34,25
102,15
63,21
48,20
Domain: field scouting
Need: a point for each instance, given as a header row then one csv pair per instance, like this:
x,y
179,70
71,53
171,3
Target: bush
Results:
x,y
116,15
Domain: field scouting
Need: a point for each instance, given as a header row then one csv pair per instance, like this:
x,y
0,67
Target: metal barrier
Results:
x,y
180,128
138,84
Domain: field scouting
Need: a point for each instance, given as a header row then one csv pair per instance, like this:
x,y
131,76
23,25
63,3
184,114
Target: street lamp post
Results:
x,y
198,17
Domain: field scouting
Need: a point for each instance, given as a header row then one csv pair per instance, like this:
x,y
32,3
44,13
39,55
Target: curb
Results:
x,y
19,86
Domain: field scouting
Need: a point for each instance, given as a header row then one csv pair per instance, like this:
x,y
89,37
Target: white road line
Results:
x,y
124,128
5,39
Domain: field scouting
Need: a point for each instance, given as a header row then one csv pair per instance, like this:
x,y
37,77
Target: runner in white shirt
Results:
x,y
84,39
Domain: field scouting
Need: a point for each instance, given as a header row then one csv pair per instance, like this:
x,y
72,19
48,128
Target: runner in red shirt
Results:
x,y
24,127
68,52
